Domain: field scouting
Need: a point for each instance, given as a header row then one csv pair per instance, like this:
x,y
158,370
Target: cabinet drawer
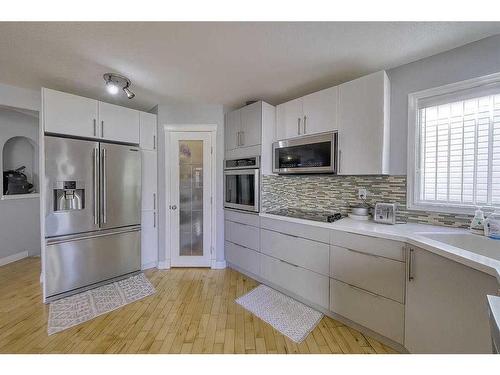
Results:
x,y
377,313
243,218
243,234
299,251
244,258
376,274
306,284
367,244
301,230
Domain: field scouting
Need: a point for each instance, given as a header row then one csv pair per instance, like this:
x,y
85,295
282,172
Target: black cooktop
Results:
x,y
323,216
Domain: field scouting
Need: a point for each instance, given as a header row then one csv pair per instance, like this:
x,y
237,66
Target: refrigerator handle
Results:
x,y
104,187
96,186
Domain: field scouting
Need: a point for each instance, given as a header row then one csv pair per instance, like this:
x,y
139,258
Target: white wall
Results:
x,y
20,218
180,113
469,61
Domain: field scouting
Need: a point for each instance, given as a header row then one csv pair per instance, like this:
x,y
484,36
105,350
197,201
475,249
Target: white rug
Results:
x,y
71,311
290,317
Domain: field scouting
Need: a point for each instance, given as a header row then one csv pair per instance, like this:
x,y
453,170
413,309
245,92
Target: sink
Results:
x,y
468,241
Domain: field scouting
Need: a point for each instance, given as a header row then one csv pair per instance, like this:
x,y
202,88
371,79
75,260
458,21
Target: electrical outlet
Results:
x,y
362,193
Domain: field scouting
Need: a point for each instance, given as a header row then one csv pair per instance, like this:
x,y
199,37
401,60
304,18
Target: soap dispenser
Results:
x,y
492,225
477,223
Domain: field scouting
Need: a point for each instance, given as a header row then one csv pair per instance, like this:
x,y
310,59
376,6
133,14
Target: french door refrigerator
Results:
x,y
92,214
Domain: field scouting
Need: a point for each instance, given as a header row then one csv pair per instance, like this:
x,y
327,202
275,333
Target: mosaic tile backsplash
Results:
x,y
337,193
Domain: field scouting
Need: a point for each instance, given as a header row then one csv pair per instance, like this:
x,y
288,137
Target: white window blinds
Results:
x,y
459,148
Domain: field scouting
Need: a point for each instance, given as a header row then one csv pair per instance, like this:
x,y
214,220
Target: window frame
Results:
x,y
413,142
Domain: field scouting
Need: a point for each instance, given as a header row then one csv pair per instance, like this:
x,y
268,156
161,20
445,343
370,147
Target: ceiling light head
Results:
x,y
129,93
115,82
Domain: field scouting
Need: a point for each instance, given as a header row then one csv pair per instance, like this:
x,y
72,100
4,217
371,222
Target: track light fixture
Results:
x,y
115,82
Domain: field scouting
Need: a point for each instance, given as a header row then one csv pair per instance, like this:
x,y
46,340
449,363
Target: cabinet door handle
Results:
x,y
154,219
242,138
298,126
410,264
95,128
238,138
102,129
154,201
305,118
154,142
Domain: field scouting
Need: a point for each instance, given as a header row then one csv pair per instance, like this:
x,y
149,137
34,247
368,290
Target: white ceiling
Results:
x,y
225,63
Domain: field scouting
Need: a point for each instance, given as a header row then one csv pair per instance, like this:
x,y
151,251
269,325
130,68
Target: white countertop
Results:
x,y
411,234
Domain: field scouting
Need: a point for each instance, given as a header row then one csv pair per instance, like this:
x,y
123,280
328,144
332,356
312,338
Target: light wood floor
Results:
x,y
193,311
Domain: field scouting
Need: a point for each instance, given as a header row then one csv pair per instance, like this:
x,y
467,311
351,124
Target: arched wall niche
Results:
x,y
19,143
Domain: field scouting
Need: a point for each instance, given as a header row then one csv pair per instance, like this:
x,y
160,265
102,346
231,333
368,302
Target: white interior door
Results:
x,y
190,199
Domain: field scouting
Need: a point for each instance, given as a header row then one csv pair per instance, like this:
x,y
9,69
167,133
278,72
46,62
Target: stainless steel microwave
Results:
x,y
241,184
308,154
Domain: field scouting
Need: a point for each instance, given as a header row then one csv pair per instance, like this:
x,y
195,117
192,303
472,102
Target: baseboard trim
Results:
x,y
13,258
149,265
164,264
218,264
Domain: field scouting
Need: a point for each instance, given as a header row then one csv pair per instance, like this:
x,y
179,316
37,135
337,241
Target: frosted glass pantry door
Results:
x,y
190,203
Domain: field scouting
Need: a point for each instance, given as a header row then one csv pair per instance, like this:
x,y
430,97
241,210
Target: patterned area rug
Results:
x,y
71,311
290,317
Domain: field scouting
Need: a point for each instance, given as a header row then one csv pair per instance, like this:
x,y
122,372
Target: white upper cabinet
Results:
x,y
232,130
251,125
320,111
289,119
119,123
363,124
310,114
147,131
69,114
74,115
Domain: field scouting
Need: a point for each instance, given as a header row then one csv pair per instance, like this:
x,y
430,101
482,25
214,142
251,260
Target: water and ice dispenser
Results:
x,y
69,195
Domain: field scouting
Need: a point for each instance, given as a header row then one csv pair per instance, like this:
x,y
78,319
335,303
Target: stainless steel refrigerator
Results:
x,y
92,214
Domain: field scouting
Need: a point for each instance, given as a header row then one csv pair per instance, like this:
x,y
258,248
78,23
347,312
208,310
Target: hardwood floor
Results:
x,y
193,311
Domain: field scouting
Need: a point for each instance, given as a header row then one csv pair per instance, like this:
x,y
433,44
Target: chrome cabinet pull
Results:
x,y
364,290
102,129
154,219
95,128
410,264
154,142
96,185
104,186
154,201
305,118
298,126
291,264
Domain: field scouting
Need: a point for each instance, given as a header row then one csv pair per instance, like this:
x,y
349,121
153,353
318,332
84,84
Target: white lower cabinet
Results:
x,y
306,284
243,234
302,252
446,308
244,258
372,311
375,274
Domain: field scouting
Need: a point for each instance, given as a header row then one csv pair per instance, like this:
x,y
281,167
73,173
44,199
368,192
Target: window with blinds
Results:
x,y
458,148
